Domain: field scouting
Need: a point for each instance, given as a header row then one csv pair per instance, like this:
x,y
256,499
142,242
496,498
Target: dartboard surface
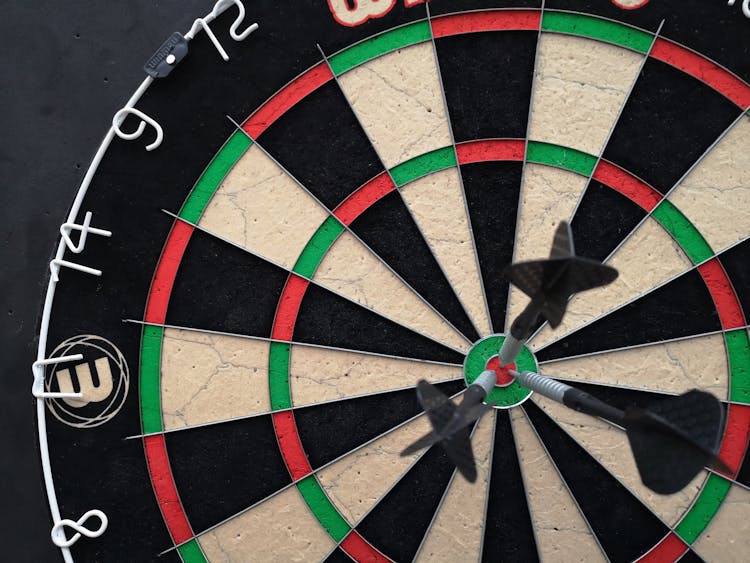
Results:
x,y
245,308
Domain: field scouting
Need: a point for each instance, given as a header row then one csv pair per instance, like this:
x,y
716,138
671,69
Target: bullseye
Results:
x,y
483,355
503,377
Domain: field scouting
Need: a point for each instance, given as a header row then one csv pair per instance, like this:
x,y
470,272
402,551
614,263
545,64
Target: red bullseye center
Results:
x,y
503,377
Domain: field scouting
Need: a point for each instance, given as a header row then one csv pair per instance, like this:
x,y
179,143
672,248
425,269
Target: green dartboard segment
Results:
x,y
379,45
597,28
214,174
191,552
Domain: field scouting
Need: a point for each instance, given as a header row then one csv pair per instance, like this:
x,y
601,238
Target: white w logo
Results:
x,y
91,393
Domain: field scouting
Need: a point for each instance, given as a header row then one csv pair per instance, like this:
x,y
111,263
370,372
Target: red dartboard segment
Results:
x,y
736,437
725,299
491,149
703,69
290,445
668,550
628,185
161,288
354,205
289,303
287,97
359,550
499,20
165,489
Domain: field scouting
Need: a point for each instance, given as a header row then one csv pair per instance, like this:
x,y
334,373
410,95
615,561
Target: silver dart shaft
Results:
x,y
486,380
569,396
510,349
543,385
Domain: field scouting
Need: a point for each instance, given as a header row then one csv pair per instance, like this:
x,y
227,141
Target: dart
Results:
x,y
451,423
671,441
674,439
550,284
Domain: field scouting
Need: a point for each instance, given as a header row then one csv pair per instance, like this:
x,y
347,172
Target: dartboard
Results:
x,y
287,227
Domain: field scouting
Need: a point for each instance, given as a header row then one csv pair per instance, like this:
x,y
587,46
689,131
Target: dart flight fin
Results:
x,y
675,439
562,244
436,404
550,283
451,427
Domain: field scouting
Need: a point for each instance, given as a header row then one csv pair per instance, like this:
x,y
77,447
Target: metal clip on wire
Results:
x,y
169,55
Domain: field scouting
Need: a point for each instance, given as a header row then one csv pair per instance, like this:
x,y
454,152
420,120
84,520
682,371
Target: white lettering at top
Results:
x,y
356,12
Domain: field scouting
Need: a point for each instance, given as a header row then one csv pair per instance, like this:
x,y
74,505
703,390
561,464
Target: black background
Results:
x,y
67,67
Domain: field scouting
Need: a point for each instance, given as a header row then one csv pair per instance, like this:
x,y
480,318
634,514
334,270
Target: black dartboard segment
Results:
x,y
603,219
409,255
735,261
602,498
273,446
252,468
684,117
344,160
487,79
338,556
492,191
224,288
743,475
691,557
680,308
508,531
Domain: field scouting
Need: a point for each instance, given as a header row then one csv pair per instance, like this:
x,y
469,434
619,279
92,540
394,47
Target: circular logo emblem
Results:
x,y
101,377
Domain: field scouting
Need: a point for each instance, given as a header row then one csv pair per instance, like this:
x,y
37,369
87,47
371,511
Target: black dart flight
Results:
x,y
551,283
675,438
450,423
